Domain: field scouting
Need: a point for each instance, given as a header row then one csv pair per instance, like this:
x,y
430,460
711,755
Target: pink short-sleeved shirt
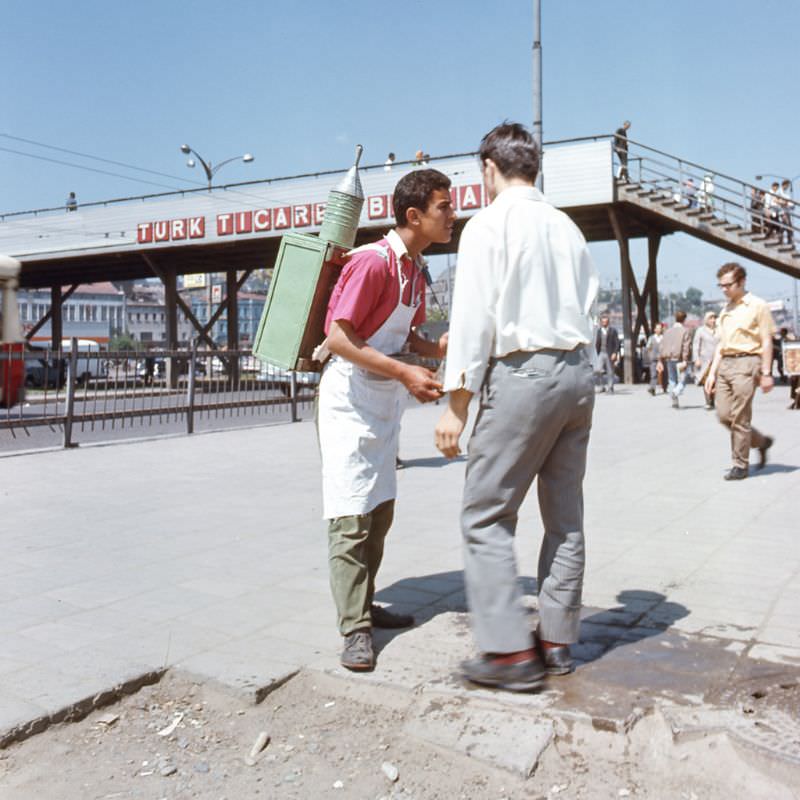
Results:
x,y
367,290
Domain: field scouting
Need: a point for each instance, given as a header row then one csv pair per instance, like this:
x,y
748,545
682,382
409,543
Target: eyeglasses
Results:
x,y
727,285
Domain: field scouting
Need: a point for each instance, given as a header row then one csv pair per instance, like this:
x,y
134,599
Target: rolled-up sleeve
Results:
x,y
472,316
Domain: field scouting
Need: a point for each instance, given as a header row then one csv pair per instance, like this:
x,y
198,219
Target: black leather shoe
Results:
x,y
736,474
762,451
495,670
557,660
381,618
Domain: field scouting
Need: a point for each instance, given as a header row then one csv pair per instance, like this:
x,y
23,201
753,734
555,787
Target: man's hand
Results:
x,y
660,367
710,381
443,339
421,383
766,383
449,431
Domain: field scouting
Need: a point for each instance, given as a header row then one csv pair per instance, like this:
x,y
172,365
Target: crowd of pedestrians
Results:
x,y
771,212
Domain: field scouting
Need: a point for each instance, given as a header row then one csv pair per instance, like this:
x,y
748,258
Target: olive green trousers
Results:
x,y
355,551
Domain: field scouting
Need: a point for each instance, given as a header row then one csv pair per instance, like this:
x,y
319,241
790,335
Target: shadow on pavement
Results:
x,y
640,613
773,469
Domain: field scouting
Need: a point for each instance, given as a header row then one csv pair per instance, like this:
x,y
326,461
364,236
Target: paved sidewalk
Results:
x,y
207,553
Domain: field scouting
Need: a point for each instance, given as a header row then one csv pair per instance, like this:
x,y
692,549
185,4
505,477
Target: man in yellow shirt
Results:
x,y
742,361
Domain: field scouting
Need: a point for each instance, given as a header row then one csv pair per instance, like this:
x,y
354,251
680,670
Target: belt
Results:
x,y
741,355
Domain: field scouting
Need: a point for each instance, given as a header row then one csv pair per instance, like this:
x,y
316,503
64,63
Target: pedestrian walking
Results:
x,y
606,346
704,345
621,149
519,330
72,202
676,350
742,362
652,352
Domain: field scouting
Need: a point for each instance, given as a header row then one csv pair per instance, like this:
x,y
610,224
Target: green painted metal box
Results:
x,y
292,323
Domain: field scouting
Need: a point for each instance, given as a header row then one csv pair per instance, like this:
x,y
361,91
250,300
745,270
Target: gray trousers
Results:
x,y
534,421
605,367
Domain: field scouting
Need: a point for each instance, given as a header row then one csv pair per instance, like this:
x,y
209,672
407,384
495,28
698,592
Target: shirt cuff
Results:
x,y
470,379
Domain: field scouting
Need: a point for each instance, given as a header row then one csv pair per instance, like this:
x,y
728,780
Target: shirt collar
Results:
x,y
512,193
398,246
745,299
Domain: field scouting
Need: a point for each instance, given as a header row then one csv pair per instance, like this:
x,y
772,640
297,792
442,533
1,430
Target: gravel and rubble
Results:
x,y
312,738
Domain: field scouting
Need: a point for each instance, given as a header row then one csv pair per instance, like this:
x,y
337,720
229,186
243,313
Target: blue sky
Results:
x,y
298,84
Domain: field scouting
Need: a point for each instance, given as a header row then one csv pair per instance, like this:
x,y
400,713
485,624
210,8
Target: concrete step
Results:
x,y
733,227
706,217
786,248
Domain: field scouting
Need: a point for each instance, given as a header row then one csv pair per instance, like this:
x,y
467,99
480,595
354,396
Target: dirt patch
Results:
x,y
328,738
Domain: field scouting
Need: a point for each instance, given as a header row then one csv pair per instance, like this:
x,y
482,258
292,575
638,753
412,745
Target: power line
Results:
x,y
83,166
98,158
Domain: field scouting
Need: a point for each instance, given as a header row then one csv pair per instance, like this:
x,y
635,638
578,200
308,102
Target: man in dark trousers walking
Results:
x,y
621,149
606,345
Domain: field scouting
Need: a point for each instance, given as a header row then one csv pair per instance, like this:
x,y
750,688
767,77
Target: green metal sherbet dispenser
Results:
x,y
305,273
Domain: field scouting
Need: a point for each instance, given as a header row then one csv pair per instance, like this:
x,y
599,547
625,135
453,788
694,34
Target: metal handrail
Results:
x,y
225,186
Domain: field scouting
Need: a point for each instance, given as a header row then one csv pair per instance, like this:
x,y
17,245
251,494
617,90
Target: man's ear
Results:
x,y
412,217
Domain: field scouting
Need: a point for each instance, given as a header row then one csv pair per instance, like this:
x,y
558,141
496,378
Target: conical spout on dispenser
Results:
x,y
351,183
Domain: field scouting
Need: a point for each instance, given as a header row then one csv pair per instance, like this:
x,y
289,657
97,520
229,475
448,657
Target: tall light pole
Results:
x,y
537,83
211,171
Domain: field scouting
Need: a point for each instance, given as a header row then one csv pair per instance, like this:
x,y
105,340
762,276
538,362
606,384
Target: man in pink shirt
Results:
x,y
378,301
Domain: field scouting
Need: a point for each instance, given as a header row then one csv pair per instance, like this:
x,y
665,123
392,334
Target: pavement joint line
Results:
x,y
78,709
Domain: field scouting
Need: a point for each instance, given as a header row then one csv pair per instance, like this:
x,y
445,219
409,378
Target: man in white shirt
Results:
x,y
519,328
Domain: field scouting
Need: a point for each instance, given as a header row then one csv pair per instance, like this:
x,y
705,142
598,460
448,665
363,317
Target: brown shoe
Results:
x,y
515,672
357,654
557,660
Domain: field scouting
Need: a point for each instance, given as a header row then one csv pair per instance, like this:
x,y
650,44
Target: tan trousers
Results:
x,y
737,379
355,551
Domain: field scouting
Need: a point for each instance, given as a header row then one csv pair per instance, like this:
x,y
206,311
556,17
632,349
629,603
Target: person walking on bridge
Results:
x,y
377,302
519,330
742,361
621,149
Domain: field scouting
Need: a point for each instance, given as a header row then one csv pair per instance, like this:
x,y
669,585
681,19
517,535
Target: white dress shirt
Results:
x,y
524,281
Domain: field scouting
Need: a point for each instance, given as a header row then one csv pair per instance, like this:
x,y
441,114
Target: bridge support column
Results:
x,y
626,276
170,281
56,324
232,300
651,284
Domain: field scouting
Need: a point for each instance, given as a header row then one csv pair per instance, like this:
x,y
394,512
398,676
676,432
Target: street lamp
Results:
x,y
210,170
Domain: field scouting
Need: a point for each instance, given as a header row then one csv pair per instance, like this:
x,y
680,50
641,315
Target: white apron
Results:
x,y
359,419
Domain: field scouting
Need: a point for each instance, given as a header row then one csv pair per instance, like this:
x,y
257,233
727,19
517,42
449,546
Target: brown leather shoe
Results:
x,y
515,672
383,618
357,654
557,660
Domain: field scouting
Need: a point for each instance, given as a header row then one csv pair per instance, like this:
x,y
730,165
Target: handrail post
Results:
x,y
680,181
69,411
293,395
190,390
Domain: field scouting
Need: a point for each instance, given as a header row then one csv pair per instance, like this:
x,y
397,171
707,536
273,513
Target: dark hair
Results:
x,y
414,190
739,272
512,148
680,316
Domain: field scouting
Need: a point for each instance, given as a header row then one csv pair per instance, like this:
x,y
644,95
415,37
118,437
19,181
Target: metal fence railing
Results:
x,y
700,191
75,391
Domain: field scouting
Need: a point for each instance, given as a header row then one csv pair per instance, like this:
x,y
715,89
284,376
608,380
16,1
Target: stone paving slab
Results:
x,y
207,553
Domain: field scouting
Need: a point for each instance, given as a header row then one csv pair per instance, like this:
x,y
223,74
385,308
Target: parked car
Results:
x,y
44,370
282,378
91,361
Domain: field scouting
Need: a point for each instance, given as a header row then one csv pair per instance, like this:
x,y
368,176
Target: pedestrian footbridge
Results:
x,y
237,228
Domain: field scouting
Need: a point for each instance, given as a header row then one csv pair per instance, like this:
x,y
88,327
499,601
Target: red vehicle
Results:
x,y
12,345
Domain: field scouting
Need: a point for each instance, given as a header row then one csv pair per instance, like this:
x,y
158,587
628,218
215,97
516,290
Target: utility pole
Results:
x,y
537,83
